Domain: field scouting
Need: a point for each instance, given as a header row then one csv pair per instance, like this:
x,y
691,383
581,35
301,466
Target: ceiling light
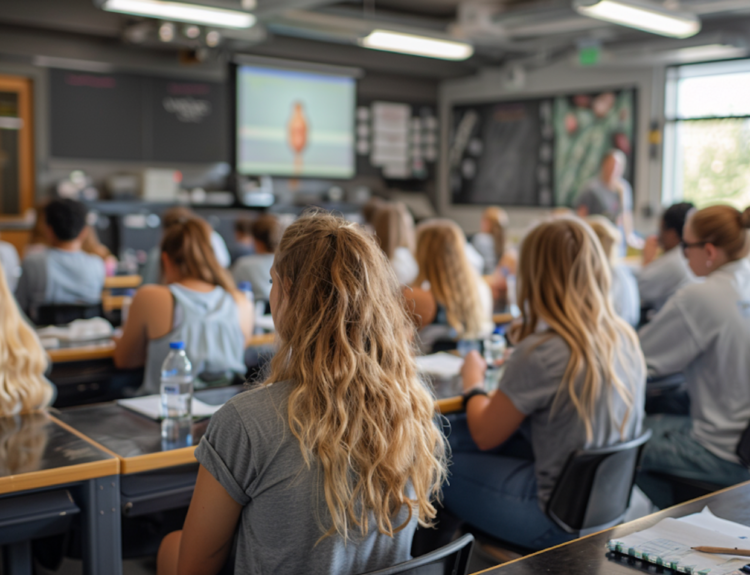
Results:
x,y
191,31
417,45
166,32
641,15
181,12
213,38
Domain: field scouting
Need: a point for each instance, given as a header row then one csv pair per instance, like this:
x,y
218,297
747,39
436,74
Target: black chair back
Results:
x,y
743,447
62,314
452,559
593,490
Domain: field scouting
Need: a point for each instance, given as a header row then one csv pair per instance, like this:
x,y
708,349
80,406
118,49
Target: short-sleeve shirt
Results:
x,y
256,269
533,375
10,264
250,450
660,280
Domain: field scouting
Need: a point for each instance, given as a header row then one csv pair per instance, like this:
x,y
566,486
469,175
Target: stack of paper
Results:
x,y
150,406
440,364
669,543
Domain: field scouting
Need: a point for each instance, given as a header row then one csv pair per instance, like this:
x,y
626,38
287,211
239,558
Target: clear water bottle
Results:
x,y
176,397
247,290
494,348
127,300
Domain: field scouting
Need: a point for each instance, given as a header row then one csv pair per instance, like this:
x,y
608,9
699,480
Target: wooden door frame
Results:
x,y
23,87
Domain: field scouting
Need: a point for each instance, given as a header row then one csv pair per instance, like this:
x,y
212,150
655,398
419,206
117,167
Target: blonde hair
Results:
x,y
564,281
723,226
358,406
188,245
498,220
454,283
607,233
394,228
22,360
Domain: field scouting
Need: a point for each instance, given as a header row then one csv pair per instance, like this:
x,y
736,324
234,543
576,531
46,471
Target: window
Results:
x,y
707,134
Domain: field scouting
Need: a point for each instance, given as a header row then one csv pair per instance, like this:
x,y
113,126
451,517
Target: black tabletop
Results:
x,y
590,556
129,434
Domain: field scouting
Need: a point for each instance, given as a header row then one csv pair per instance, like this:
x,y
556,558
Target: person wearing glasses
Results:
x,y
703,331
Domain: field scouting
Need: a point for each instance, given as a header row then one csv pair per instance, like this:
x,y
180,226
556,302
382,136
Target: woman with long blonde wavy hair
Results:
x,y
576,378
328,466
23,387
448,293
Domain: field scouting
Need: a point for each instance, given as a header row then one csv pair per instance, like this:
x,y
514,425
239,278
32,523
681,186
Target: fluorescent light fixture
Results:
x,y
641,15
182,12
417,45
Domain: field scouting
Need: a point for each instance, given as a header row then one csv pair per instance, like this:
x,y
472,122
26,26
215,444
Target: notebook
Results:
x,y
150,406
669,542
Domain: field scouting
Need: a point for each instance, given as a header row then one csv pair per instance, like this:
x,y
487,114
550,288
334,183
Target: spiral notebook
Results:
x,y
669,542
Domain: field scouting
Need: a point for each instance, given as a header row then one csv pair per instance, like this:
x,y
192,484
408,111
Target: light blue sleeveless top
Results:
x,y
208,324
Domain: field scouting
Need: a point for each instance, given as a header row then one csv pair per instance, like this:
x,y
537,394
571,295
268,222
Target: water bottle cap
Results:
x,y
176,345
245,286
130,292
499,330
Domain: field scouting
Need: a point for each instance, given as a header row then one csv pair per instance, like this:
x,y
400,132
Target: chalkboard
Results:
x,y
130,117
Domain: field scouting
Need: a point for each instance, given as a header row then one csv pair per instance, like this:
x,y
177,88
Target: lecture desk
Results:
x,y
48,472
589,555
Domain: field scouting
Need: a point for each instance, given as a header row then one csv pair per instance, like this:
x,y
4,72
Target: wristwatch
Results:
x,y
471,393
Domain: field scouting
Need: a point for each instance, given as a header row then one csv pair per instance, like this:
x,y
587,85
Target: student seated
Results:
x,y
660,278
448,300
394,229
703,331
200,306
243,239
63,273
330,464
624,288
92,245
177,215
256,268
10,263
575,379
491,242
23,360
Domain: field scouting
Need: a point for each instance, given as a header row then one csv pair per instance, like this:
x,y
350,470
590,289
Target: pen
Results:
x,y
723,550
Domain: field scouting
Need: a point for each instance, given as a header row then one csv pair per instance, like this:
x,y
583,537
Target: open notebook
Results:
x,y
150,406
669,542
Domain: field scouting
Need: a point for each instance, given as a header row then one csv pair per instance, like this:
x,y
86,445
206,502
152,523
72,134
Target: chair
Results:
x,y
452,559
63,314
593,490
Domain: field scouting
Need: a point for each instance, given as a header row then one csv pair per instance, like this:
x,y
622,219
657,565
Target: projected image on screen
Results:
x,y
297,124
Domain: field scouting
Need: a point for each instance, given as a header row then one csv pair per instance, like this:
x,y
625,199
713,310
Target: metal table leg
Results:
x,y
102,541
17,558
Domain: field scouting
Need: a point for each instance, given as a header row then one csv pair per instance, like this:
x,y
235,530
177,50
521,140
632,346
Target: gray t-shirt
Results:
x,y
660,280
10,264
252,453
600,200
256,269
625,294
58,276
704,332
532,378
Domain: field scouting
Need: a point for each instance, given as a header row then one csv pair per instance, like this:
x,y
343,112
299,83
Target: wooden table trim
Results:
x,y
497,568
82,353
502,318
59,476
160,460
122,282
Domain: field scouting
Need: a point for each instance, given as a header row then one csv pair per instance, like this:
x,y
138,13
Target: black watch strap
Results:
x,y
469,394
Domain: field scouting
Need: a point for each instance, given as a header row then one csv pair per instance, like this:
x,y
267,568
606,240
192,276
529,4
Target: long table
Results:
x,y
589,554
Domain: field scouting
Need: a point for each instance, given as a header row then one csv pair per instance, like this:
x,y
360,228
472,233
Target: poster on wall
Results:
x,y
537,152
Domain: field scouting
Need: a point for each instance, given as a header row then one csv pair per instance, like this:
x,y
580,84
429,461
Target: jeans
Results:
x,y
496,490
672,450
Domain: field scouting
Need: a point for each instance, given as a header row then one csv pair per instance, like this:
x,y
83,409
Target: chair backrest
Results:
x,y
743,447
62,314
452,559
594,487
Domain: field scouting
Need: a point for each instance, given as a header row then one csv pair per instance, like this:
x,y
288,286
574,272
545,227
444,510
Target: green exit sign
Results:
x,y
589,55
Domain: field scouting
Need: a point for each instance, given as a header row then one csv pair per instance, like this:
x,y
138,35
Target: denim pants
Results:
x,y
672,450
496,490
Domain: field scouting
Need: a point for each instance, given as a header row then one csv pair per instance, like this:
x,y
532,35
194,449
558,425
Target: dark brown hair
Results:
x,y
267,230
723,226
243,226
188,245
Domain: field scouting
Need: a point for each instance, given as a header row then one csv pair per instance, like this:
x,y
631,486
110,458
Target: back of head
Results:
x,y
177,215
609,236
674,217
369,209
498,220
243,227
267,230
723,226
394,228
22,360
66,218
358,405
564,280
441,256
188,246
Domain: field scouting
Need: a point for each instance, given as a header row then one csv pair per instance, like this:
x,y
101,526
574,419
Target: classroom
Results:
x,y
374,287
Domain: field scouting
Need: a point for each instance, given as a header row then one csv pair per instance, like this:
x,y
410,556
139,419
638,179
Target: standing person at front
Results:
x,y
704,332
328,466
575,380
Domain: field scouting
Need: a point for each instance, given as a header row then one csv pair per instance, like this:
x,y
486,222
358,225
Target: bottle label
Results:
x,y
170,389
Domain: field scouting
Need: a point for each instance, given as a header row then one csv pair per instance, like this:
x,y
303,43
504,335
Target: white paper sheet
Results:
x,y
440,364
150,406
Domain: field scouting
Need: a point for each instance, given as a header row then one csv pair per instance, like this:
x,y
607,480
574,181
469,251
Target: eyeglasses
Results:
x,y
685,245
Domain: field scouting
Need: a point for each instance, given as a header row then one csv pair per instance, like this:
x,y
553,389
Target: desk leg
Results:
x,y
17,558
102,540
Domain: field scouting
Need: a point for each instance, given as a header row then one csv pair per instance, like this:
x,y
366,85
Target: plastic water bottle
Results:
x,y
127,300
494,347
247,290
176,397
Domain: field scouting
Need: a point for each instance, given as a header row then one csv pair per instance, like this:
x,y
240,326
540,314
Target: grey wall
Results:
x,y
563,77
